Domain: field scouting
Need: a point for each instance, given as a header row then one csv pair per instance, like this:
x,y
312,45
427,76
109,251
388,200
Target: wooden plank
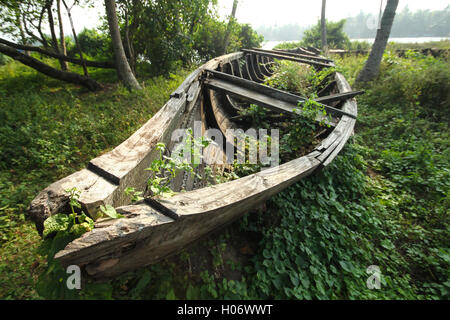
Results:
x,y
339,96
349,105
263,65
272,92
255,66
257,98
149,236
251,70
292,54
284,57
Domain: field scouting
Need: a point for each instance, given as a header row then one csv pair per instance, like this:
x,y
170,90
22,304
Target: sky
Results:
x,y
280,12
305,13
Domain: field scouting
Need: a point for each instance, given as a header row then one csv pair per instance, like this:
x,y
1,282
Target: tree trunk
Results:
x,y
372,66
129,48
95,64
51,24
71,77
230,24
323,22
76,39
62,40
123,68
22,32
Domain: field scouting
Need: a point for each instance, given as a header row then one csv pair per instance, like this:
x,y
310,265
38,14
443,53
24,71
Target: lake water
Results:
x,y
270,44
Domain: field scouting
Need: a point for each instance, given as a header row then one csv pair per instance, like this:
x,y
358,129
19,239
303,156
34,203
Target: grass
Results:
x,y
384,201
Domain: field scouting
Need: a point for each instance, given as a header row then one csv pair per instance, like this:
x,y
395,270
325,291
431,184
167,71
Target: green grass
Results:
x,y
384,201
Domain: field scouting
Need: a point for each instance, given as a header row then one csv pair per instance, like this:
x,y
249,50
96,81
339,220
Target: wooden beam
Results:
x,y
339,96
258,98
280,56
272,92
291,54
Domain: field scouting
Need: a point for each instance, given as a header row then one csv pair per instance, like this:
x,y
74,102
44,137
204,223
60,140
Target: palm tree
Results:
x,y
123,68
230,24
372,66
323,23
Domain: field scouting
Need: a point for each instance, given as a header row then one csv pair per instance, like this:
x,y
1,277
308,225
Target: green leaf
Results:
x,y
111,212
387,244
55,223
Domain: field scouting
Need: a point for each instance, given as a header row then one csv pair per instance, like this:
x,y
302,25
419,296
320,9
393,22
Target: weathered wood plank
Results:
x,y
251,70
257,98
272,92
255,66
334,143
285,57
148,236
339,96
292,54
350,105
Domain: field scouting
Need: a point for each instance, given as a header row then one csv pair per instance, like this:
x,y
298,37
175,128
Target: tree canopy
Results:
x,y
336,37
157,36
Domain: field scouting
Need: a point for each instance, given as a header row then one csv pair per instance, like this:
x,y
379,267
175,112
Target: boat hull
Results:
x,y
150,232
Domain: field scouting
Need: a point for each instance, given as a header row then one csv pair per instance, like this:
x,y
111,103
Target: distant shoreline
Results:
x,y
272,43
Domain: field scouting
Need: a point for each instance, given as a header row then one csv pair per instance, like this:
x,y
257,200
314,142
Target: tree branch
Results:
x,y
71,77
95,64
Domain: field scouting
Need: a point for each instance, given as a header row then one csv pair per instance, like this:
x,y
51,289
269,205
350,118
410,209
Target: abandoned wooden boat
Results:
x,y
157,227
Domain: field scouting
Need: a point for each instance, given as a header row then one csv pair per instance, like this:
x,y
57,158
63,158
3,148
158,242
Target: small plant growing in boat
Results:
x,y
74,224
134,195
293,77
166,168
303,127
111,212
257,114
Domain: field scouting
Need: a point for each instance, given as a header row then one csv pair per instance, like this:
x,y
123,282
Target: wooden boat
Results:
x,y
157,227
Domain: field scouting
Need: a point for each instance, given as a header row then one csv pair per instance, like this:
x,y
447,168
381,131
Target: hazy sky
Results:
x,y
304,12
280,12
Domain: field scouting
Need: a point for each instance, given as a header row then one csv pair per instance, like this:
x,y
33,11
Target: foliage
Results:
x,y
288,45
171,33
162,31
110,211
59,230
4,59
133,194
358,45
441,44
293,77
166,168
209,44
336,37
303,127
95,44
